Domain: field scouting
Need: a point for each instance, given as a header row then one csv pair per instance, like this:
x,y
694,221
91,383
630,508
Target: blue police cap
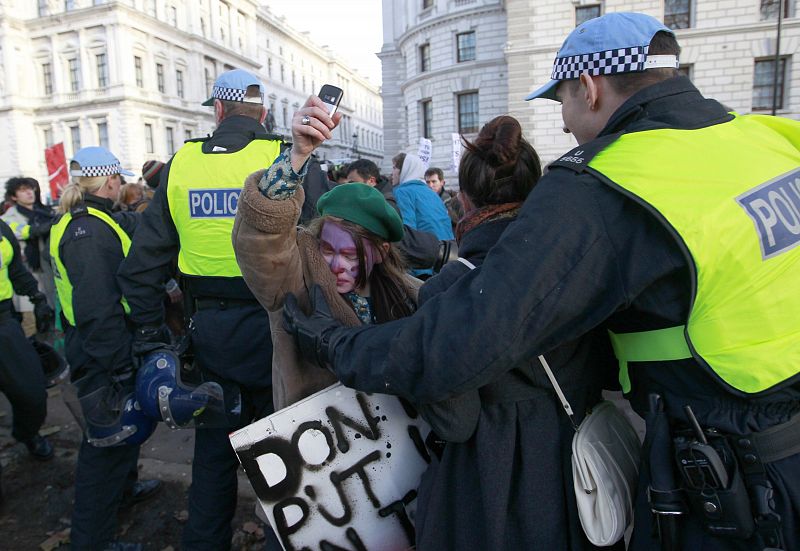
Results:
x,y
232,86
97,161
614,43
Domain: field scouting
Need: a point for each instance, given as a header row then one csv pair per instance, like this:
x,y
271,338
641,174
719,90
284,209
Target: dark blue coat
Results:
x,y
478,496
580,255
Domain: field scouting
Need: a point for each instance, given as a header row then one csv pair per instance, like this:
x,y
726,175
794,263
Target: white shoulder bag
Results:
x,y
605,468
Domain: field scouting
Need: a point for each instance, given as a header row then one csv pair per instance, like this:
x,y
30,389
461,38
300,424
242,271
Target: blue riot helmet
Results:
x,y
110,416
166,396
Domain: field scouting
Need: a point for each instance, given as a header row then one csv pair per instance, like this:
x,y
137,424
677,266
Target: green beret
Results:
x,y
363,205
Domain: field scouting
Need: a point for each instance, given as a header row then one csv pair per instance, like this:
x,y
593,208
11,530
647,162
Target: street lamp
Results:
x,y
355,144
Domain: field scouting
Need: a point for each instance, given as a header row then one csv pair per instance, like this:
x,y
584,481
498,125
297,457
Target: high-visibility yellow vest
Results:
x,y
730,196
63,284
6,256
22,231
203,195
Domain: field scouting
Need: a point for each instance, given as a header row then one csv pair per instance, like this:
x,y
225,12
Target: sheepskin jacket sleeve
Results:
x,y
276,257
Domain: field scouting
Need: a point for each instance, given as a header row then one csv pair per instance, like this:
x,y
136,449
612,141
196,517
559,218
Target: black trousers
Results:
x,y
101,478
234,344
21,380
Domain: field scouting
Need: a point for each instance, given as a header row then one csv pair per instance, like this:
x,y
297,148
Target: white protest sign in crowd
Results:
x,y
424,152
338,469
458,147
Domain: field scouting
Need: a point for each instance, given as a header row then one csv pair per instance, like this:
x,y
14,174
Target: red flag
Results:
x,y
56,169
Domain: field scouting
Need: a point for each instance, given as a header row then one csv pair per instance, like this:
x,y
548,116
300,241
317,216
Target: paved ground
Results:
x,y
38,496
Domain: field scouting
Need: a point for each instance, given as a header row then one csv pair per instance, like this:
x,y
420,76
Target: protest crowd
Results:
x,y
242,281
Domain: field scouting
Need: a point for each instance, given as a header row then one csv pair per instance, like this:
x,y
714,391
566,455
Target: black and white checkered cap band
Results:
x,y
609,62
233,94
92,171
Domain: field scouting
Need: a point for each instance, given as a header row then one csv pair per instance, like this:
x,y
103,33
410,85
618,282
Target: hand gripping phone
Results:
x,y
330,96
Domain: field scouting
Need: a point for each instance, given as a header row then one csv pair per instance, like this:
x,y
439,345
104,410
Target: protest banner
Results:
x,y
458,147
57,172
338,470
424,152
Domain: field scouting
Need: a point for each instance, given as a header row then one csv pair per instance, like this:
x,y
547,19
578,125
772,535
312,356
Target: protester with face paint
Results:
x,y
347,254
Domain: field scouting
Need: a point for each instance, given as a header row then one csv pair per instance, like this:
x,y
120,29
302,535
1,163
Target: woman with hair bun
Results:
x,y
502,479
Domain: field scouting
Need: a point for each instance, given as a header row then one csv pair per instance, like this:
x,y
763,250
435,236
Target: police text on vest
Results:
x,y
213,203
774,208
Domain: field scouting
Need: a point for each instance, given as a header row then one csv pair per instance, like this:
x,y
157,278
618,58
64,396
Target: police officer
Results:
x,y
191,218
674,225
87,245
21,377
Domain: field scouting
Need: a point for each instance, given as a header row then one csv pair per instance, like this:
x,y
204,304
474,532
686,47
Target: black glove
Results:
x,y
42,312
448,252
147,338
311,333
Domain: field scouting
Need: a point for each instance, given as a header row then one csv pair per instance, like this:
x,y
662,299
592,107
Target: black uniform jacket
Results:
x,y
579,256
22,281
100,343
150,261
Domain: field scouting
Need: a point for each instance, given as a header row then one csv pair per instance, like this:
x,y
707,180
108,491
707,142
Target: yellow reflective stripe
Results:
x,y
63,284
6,256
648,346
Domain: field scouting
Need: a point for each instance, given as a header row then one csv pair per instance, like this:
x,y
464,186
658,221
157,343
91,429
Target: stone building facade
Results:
x,y
443,72
728,50
131,74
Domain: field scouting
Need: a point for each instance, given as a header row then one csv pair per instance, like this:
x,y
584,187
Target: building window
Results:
x,y
686,70
468,113
424,58
42,5
269,67
47,78
769,9
102,71
137,66
294,80
148,138
285,117
151,7
172,16
69,5
427,4
209,82
47,134
160,76
179,83
203,26
585,13
74,75
764,82
170,140
283,74
678,14
102,134
75,137
466,46
187,134
426,112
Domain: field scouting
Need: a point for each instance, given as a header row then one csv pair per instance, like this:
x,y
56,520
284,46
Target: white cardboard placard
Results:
x,y
424,151
338,469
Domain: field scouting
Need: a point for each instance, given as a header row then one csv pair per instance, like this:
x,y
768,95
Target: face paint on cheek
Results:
x,y
340,240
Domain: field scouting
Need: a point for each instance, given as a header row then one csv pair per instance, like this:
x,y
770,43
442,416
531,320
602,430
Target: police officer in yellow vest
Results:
x,y
87,243
21,377
191,218
674,225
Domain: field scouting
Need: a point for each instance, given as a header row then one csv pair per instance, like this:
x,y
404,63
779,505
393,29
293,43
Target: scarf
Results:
x,y
487,213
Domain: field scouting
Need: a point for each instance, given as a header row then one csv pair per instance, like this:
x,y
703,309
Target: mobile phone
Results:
x,y
330,96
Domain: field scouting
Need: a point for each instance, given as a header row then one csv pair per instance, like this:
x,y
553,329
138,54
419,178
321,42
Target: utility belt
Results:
x,y
722,479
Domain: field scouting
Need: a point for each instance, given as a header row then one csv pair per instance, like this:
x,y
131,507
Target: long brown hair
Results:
x,y
389,291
